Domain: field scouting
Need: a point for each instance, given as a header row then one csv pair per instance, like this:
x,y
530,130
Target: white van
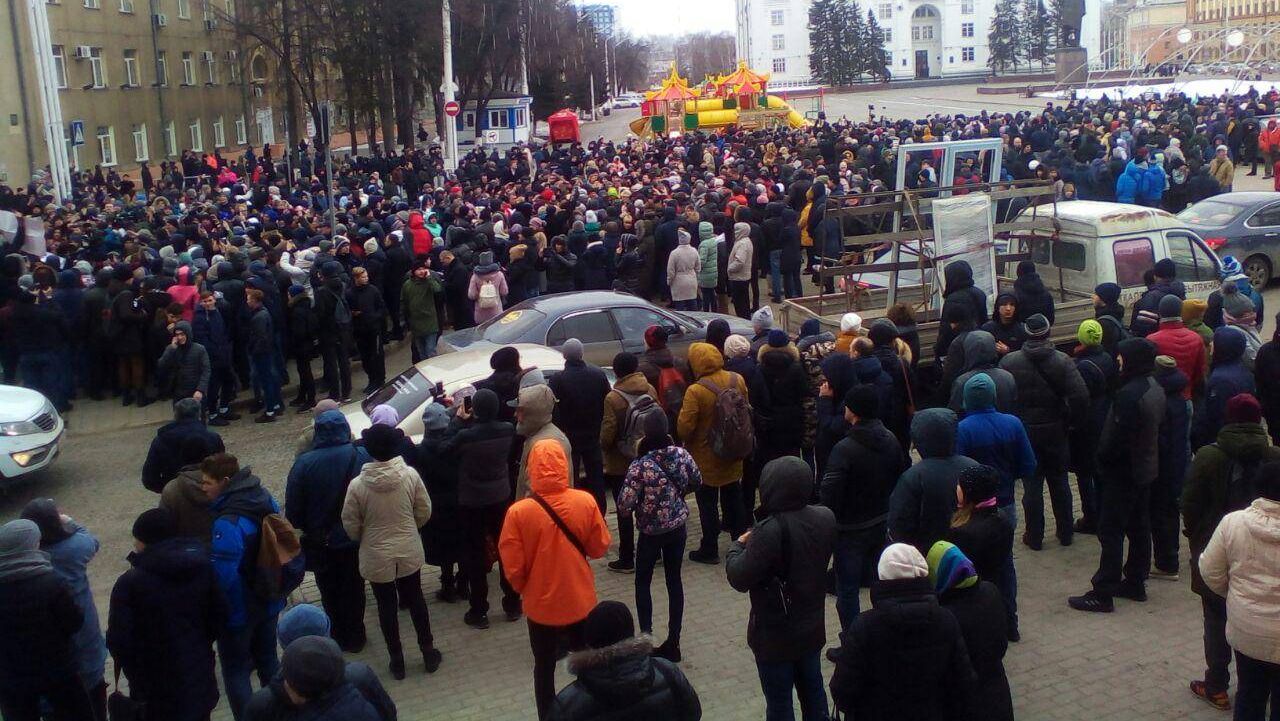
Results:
x,y
1102,242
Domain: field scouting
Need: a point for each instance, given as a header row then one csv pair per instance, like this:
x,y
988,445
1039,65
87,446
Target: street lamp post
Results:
x,y
450,127
50,102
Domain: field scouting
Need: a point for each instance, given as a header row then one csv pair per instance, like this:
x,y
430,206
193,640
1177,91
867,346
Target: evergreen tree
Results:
x,y
1035,21
1004,38
823,46
856,42
877,57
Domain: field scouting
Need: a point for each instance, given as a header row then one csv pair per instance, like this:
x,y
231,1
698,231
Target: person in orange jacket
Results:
x,y
1269,146
545,545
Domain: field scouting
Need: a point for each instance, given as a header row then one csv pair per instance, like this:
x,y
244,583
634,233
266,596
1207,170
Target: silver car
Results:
x,y
1245,225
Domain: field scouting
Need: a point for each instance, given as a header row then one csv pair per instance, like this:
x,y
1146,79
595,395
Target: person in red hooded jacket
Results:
x,y
185,293
422,239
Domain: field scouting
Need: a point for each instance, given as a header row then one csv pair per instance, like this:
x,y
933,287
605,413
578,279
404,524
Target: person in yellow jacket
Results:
x,y
721,479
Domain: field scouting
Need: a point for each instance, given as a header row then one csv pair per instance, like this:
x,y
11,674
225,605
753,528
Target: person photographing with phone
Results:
x,y
782,563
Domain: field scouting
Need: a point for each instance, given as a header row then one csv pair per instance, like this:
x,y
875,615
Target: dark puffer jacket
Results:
x,y
777,391
623,683
343,703
1228,377
922,502
860,474
1032,296
786,485
318,480
580,390
960,291
904,659
166,612
186,367
164,457
980,356
981,614
1128,450
1052,397
38,618
481,447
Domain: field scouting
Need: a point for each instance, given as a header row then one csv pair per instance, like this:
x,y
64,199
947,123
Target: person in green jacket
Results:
x,y
709,272
418,303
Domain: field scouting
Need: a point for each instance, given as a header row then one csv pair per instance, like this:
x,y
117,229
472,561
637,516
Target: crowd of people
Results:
x,y
827,459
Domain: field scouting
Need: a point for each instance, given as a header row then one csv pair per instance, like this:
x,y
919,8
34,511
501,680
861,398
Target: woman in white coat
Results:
x,y
385,506
682,273
1242,563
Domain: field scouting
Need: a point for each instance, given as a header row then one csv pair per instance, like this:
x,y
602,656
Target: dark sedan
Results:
x,y
1245,225
606,323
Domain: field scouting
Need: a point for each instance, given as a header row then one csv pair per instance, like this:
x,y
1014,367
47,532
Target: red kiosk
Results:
x,y
562,127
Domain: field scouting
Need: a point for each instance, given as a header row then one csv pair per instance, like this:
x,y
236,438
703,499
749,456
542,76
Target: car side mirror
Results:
x,y
673,330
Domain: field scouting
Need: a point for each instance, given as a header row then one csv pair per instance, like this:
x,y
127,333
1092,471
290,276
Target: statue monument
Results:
x,y
1071,63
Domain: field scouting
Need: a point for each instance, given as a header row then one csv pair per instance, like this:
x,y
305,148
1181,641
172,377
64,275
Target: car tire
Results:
x,y
1258,269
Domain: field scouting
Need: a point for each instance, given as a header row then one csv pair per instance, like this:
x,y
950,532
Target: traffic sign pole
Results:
x,y
450,128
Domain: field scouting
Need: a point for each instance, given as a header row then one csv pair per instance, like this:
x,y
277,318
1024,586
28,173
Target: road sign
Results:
x,y
490,137
77,132
452,108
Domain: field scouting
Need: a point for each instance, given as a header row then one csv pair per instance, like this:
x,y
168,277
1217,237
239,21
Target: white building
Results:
x,y
924,38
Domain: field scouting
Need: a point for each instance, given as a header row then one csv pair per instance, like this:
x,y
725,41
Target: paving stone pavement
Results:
x,y
1131,665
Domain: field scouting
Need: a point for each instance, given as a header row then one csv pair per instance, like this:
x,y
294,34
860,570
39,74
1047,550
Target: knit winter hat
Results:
x,y
850,323
736,346
778,338
155,525
979,483
304,619
1234,303
1243,408
1036,327
1230,267
572,349
313,666
1166,362
296,290
762,319
863,401
1193,310
435,417
1166,269
384,415
1108,292
1170,308
371,246
1090,333
900,560
949,568
382,442
608,623
655,336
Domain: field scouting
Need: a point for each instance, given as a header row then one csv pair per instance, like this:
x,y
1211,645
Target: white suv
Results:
x,y
30,432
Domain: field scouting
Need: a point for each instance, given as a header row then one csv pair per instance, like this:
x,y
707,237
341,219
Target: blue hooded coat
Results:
x,y
317,484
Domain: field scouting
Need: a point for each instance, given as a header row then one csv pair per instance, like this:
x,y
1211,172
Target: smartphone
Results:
x,y
466,404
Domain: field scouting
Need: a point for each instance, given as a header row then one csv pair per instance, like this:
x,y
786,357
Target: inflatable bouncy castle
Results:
x,y
740,99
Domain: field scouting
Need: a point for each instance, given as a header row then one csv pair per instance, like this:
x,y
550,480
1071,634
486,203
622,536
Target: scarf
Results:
x,y
20,554
949,568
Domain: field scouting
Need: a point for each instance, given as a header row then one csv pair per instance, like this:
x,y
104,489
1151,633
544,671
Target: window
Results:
x,y
966,7
520,118
498,119
888,59
107,145
211,68
140,150
233,66
230,7
777,17
925,11
1265,218
1191,259
170,140
242,132
93,4
1070,256
197,138
966,30
469,120
60,65
1132,258
632,322
188,68
887,34
162,68
184,9
886,11
131,69
779,65
589,327
779,42
98,68
966,54
921,32
219,134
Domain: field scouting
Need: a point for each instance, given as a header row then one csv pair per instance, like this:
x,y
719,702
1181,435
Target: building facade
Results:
x,y
924,38
1151,32
138,81
601,16
1211,22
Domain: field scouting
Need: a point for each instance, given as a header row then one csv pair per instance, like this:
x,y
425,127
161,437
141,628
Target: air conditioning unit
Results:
x,y
210,23
82,52
160,19
206,56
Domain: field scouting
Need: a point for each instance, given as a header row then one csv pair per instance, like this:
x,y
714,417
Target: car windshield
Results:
x,y
512,326
405,393
1211,212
